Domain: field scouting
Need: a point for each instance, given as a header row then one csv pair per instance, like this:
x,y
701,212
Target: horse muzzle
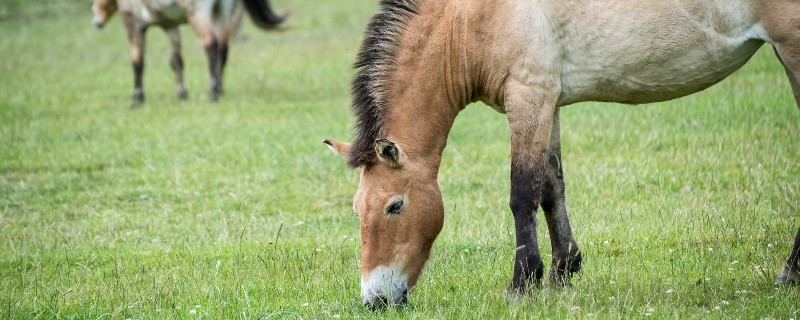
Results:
x,y
97,23
384,286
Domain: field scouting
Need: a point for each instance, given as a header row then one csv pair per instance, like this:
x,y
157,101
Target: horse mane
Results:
x,y
374,64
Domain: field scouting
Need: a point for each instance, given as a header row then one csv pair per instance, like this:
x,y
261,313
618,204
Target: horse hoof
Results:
x,y
788,276
214,95
182,95
137,103
138,98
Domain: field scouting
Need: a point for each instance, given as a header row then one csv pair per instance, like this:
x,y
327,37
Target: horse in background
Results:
x,y
213,21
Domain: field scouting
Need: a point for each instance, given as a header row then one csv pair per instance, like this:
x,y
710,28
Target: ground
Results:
x,y
236,209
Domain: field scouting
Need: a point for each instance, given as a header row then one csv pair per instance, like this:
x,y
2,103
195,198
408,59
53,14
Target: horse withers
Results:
x,y
422,61
213,21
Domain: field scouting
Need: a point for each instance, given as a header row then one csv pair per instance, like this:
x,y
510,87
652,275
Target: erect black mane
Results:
x,y
374,63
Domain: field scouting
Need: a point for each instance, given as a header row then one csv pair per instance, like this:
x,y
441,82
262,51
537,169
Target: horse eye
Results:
x,y
395,207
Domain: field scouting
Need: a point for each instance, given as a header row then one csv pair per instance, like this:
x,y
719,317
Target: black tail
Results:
x,y
262,15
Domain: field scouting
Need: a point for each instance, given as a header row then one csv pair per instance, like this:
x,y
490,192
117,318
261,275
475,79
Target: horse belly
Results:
x,y
165,13
652,81
664,55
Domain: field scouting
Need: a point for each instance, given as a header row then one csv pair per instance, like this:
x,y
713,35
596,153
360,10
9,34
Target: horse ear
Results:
x,y
338,147
388,152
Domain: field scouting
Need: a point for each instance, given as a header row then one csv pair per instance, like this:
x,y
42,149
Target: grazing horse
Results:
x,y
422,61
214,22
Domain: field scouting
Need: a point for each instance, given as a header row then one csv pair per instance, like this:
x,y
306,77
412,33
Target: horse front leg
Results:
x,y
566,254
530,115
176,60
136,38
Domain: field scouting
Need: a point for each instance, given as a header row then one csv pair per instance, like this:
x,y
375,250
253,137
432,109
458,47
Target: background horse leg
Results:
x,y
789,55
214,68
227,23
530,116
223,60
176,61
204,28
566,254
136,39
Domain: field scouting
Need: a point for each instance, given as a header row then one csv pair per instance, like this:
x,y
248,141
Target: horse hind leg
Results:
x,y
228,22
790,58
566,254
789,55
176,60
217,61
223,60
214,68
791,270
203,27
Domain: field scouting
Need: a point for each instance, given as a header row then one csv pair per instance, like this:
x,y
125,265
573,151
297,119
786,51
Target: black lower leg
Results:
x,y
791,270
212,51
223,60
176,63
794,258
138,92
528,266
567,256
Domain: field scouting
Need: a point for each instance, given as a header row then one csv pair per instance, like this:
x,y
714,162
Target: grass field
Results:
x,y
236,209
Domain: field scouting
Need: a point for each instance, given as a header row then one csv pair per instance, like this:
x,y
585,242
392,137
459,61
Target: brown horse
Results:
x,y
423,61
214,22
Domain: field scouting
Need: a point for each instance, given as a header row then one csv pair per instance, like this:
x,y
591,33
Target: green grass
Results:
x,y
683,209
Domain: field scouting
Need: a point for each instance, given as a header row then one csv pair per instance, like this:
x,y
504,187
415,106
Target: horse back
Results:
x,y
164,13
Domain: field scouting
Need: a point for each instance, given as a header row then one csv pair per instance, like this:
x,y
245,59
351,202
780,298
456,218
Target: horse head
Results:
x,y
102,10
400,209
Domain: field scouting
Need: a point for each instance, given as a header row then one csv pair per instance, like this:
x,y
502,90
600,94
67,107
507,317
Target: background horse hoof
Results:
x,y
788,276
183,95
138,99
215,94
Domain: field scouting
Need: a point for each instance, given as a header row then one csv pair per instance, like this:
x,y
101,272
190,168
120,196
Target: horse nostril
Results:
x,y
403,297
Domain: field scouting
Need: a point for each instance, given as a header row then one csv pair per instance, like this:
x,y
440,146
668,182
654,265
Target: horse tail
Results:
x,y
262,15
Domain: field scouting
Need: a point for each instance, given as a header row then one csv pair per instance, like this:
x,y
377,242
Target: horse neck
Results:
x,y
428,88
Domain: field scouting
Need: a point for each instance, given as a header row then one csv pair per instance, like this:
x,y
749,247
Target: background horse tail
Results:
x,y
262,15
